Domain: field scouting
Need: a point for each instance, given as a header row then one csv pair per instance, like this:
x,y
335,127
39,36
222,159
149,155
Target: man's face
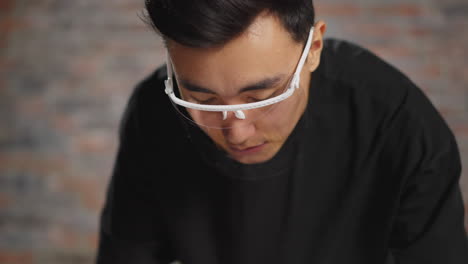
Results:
x,y
264,51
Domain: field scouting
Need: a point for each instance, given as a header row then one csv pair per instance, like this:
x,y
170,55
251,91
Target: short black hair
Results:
x,y
209,23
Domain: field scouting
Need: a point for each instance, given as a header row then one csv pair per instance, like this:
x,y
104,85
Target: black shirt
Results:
x,y
370,174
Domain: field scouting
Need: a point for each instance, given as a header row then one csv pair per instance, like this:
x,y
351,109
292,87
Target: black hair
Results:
x,y
209,23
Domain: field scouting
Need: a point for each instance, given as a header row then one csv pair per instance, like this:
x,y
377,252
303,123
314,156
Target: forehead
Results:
x,y
264,49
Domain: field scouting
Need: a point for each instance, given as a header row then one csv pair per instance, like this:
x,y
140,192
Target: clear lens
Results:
x,y
225,120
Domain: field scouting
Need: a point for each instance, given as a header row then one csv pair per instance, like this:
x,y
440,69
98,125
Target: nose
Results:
x,y
237,131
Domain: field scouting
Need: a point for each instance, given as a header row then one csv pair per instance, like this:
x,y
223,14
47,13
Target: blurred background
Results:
x,y
68,67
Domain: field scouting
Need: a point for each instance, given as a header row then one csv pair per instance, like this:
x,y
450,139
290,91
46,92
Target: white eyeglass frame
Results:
x,y
237,108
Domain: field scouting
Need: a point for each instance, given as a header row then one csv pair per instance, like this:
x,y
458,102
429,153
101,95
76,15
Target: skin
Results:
x,y
265,49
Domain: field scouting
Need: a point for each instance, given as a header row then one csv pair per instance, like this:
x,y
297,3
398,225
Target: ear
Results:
x,y
313,58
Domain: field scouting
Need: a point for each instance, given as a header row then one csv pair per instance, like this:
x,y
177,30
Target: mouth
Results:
x,y
248,150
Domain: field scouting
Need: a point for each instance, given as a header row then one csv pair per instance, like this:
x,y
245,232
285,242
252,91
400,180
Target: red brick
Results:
x,y
65,237
85,65
32,106
131,6
95,143
93,240
377,30
431,71
16,257
88,191
69,238
390,51
63,123
5,63
460,129
31,162
336,9
7,24
3,40
5,201
6,6
419,32
397,10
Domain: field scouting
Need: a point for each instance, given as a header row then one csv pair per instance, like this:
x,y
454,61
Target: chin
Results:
x,y
250,160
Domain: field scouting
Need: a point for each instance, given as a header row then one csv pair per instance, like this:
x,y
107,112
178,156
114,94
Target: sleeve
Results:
x,y
429,223
131,229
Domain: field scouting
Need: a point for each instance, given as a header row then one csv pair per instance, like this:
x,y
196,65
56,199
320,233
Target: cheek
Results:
x,y
277,123
283,117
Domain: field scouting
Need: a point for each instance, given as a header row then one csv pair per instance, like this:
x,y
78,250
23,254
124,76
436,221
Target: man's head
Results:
x,y
223,46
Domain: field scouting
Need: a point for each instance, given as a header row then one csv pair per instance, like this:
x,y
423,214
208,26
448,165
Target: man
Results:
x,y
261,142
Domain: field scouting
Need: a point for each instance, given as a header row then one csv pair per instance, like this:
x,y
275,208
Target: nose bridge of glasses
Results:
x,y
234,123
238,113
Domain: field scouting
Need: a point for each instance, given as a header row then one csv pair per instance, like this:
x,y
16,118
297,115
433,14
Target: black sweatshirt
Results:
x,y
370,174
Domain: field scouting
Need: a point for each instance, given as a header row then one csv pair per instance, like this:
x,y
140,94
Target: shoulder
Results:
x,y
350,61
378,96
366,81
360,69
371,77
359,86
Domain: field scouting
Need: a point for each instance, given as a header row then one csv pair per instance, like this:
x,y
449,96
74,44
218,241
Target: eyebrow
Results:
x,y
263,84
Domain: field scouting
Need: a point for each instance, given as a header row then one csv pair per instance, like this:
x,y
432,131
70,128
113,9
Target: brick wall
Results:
x,y
68,67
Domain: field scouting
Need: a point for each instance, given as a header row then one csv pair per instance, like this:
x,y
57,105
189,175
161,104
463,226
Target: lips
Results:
x,y
248,150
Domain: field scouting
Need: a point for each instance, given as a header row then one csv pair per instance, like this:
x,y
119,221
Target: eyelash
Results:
x,y
204,101
208,101
251,99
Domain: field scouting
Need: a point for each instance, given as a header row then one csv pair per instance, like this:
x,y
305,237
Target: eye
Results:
x,y
204,101
253,100
261,97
